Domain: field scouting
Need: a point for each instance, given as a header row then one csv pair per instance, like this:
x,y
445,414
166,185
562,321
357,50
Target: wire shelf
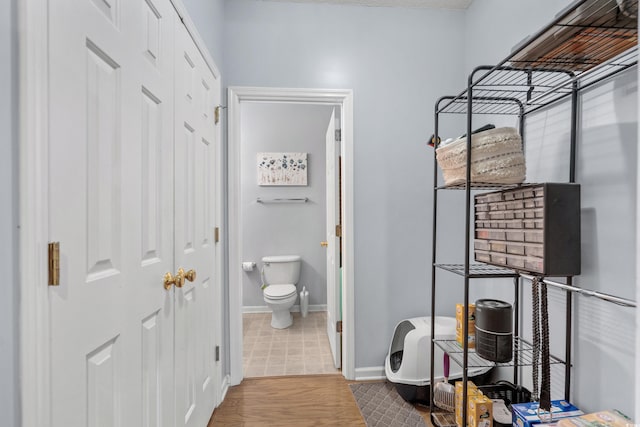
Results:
x,y
523,354
480,186
588,42
477,271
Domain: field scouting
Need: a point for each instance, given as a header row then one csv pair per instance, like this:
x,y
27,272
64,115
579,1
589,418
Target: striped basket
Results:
x,y
496,158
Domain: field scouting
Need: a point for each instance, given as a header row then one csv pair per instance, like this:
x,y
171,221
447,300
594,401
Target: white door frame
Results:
x,y
35,351
338,97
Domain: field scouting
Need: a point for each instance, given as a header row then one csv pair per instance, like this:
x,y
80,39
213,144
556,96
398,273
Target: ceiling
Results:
x,y
432,4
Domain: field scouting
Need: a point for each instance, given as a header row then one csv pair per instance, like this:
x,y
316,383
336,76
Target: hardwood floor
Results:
x,y
313,400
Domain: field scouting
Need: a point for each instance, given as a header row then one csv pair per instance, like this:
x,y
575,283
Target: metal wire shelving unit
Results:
x,y
588,42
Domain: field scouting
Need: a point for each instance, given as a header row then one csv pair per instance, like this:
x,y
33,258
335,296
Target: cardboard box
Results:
x,y
472,391
526,414
471,341
460,314
612,418
471,329
480,411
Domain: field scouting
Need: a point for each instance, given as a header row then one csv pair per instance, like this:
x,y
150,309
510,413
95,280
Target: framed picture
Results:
x,y
282,168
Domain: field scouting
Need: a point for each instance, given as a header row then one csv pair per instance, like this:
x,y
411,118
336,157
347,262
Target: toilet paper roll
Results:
x,y
248,266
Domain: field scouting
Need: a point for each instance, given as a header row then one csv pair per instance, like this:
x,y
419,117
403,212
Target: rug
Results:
x,y
381,406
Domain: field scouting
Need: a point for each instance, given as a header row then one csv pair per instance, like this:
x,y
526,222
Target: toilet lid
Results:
x,y
279,291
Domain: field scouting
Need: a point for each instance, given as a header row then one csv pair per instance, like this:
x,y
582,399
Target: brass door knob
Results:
x,y
171,280
324,244
189,275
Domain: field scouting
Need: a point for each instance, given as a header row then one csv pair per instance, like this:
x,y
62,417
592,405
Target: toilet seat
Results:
x,y
279,292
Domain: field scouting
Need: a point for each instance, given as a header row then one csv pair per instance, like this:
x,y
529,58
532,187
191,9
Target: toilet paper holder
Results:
x,y
248,265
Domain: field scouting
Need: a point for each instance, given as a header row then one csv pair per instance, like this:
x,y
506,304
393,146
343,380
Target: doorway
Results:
x,y
341,100
285,200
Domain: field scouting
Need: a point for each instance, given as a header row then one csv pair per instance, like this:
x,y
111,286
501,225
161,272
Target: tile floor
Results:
x,y
301,349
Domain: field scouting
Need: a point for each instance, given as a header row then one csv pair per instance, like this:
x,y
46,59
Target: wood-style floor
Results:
x,y
313,400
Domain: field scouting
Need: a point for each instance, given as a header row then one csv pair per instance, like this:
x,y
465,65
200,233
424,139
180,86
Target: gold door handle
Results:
x,y
171,280
179,278
324,244
189,275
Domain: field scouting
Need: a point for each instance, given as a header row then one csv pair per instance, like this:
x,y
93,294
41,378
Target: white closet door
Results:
x,y
111,204
195,193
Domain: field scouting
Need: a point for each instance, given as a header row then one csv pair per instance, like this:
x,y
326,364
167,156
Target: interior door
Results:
x,y
195,156
111,206
333,242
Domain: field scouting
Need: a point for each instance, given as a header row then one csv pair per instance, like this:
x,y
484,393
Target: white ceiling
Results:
x,y
433,4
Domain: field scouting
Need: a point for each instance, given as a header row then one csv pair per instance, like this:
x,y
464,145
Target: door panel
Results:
x,y
195,187
111,208
333,242
103,165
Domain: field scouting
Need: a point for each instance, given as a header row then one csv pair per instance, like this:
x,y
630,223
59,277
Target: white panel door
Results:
x,y
111,205
196,91
333,242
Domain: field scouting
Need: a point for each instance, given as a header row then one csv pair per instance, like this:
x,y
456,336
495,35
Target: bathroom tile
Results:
x,y
311,369
314,345
294,350
277,363
297,369
258,356
300,349
277,353
294,361
329,369
295,342
280,338
273,371
254,371
315,358
262,345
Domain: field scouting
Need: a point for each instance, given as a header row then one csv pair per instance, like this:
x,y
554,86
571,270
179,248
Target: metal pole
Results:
x,y
433,255
516,326
567,349
465,326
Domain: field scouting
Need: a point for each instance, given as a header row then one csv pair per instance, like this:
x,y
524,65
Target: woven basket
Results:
x,y
496,158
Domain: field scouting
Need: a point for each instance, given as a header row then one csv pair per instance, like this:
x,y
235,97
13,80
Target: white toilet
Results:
x,y
281,274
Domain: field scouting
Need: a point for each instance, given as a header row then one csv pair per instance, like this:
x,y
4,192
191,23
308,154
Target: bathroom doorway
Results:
x,y
267,220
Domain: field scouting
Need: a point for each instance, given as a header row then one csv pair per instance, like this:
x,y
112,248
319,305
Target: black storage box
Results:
x,y
533,228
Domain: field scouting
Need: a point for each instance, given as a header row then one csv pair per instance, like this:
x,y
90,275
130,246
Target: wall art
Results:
x,y
282,168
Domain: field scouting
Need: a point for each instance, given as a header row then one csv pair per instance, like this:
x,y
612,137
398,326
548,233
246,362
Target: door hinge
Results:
x,y
338,135
216,234
217,353
338,230
54,263
339,326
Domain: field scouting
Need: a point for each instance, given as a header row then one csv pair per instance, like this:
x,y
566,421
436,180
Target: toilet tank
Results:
x,y
283,269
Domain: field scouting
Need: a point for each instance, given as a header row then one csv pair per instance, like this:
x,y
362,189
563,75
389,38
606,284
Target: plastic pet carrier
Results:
x,y
407,364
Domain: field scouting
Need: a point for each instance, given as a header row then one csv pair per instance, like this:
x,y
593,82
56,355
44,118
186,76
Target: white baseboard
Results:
x,y
294,309
370,373
224,388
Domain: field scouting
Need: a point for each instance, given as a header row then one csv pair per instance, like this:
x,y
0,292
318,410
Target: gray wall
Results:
x,y
9,344
398,62
284,229
208,17
603,375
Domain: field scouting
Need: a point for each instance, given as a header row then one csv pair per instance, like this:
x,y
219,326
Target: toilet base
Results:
x,y
281,319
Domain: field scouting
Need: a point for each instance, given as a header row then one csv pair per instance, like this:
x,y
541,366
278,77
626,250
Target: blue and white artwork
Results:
x,y
282,168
